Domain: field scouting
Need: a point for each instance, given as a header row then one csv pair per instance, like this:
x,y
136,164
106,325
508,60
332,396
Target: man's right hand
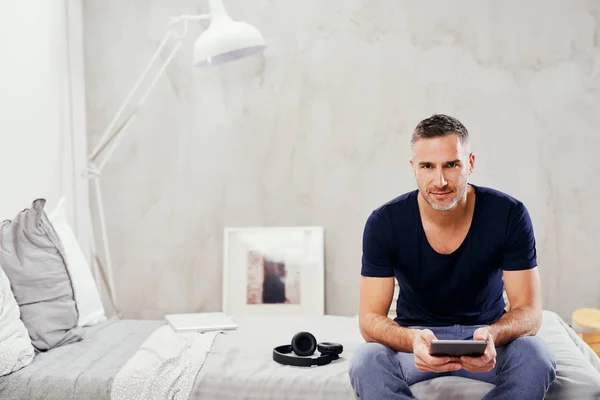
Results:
x,y
426,362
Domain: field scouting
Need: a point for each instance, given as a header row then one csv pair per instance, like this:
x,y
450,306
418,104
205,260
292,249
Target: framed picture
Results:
x,y
273,270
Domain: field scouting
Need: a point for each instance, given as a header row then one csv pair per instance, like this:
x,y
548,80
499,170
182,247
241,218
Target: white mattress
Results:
x,y
240,365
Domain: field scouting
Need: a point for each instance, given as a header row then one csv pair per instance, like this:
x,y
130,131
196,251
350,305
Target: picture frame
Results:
x,y
273,271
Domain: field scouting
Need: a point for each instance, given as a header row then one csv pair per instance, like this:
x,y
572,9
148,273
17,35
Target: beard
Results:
x,y
447,204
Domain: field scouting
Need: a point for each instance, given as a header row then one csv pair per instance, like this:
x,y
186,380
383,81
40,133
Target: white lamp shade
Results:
x,y
226,40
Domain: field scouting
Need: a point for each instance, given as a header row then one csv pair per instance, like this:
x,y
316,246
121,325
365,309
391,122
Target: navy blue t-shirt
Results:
x,y
464,287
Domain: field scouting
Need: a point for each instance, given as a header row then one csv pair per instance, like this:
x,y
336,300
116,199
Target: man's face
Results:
x,y
442,166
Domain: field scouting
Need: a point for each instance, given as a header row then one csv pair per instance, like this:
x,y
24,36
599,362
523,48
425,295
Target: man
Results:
x,y
453,247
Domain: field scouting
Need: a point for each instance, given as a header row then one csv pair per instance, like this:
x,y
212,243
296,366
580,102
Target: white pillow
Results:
x,y
16,350
86,292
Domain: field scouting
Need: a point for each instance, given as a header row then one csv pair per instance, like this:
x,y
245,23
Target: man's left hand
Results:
x,y
487,361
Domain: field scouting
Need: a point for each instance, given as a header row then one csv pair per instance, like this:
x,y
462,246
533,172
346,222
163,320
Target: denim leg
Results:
x,y
525,368
378,372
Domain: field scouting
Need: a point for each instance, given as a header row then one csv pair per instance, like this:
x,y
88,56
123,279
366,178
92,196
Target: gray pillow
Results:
x,y
32,257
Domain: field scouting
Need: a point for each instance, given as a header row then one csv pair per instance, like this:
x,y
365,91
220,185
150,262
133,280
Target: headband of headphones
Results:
x,y
303,345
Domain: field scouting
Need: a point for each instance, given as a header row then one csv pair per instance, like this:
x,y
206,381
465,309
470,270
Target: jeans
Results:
x,y
524,369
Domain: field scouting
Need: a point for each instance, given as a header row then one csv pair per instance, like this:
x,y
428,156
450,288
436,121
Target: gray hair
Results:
x,y
439,125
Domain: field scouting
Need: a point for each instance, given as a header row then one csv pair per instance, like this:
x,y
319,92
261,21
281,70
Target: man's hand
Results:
x,y
426,362
487,361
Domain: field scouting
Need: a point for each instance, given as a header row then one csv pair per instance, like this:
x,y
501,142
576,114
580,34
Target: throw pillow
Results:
x,y
16,350
87,295
34,261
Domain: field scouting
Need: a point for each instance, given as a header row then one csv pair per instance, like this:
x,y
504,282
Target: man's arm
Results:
x,y
376,295
525,315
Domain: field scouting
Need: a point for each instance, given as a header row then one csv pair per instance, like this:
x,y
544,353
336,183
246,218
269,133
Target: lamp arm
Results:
x,y
109,134
111,137
185,17
116,136
106,273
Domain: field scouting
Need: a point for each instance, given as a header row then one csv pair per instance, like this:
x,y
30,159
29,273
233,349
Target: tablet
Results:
x,y
457,348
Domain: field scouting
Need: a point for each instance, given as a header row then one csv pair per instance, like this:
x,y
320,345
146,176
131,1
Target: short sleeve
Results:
x,y
520,252
378,252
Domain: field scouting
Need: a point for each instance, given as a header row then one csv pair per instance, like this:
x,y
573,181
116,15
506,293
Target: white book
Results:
x,y
201,322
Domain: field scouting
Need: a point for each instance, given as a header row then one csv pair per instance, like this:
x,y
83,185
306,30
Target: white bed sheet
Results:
x,y
240,365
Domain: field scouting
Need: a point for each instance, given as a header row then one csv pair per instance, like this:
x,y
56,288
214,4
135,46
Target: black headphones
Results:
x,y
304,345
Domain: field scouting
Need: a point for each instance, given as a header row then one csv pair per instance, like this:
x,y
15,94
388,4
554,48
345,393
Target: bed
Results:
x,y
49,303
129,359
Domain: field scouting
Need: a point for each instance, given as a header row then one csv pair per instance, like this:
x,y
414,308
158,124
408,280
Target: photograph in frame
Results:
x,y
273,270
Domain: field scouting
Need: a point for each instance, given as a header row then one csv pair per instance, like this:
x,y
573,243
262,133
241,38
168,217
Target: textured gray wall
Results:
x,y
315,132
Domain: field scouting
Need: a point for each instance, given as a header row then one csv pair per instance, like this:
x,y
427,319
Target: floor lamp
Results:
x,y
223,41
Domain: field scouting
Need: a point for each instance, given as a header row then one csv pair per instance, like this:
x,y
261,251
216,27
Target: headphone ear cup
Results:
x,y
304,344
330,348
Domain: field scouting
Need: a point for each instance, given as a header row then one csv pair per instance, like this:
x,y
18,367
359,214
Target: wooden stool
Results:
x,y
586,322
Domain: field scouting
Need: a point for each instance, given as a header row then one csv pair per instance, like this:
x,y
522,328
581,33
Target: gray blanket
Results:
x,y
82,370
